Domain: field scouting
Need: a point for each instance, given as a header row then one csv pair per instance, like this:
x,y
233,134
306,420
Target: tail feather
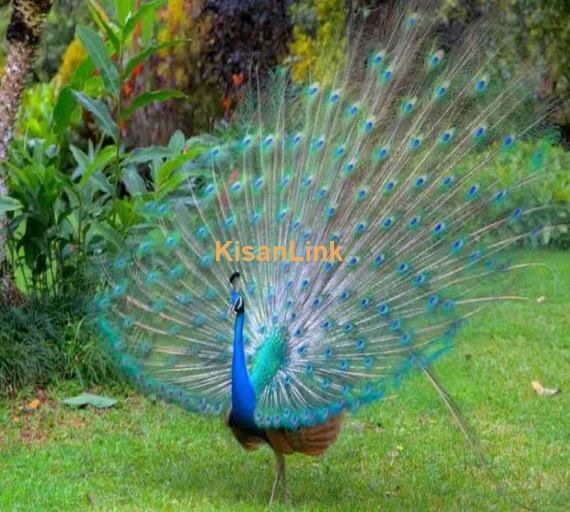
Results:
x,y
469,435
387,158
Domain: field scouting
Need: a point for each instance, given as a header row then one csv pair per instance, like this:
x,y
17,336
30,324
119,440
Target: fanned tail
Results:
x,y
388,158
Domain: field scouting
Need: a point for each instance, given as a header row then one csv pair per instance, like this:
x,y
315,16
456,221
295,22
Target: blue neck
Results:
x,y
243,394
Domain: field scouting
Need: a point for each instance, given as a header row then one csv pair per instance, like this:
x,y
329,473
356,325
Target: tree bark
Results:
x,y
23,36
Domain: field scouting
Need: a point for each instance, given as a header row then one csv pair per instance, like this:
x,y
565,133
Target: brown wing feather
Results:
x,y
308,440
248,441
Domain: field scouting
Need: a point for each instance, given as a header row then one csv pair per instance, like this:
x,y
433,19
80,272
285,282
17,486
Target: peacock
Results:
x,y
337,240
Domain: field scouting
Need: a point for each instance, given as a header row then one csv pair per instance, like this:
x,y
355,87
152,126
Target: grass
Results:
x,y
401,454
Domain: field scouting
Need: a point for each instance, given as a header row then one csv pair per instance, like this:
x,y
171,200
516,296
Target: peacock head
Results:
x,y
237,303
235,281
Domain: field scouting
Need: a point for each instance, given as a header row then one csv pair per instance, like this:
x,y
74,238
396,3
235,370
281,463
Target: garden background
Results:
x,y
121,97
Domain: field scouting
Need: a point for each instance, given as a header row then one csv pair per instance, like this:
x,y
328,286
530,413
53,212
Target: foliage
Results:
x,y
68,203
181,20
539,32
36,111
178,66
318,37
59,31
63,221
248,37
73,57
47,340
58,218
108,55
221,45
545,196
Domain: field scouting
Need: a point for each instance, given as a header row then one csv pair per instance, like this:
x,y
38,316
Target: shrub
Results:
x,y
550,192
246,35
540,33
318,37
35,114
545,198
47,340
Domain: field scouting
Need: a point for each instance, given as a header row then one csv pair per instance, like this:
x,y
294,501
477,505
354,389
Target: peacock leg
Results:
x,y
284,482
279,473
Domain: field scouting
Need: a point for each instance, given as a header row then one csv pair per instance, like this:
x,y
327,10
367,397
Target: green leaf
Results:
x,y
143,155
97,401
169,167
80,157
145,54
124,8
177,142
108,7
82,73
95,47
109,234
146,98
104,25
101,113
103,159
147,29
63,110
9,204
134,18
133,182
174,182
93,87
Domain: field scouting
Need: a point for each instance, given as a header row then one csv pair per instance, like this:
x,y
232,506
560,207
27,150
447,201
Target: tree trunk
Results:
x,y
23,35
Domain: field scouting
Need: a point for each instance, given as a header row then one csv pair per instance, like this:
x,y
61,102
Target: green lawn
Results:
x,y
402,454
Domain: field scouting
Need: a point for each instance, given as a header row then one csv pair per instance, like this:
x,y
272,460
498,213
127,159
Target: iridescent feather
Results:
x,y
386,158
